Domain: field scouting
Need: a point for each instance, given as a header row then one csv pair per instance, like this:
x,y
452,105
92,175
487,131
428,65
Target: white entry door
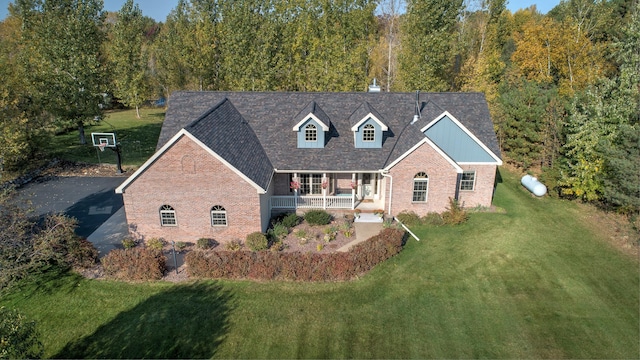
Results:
x,y
368,186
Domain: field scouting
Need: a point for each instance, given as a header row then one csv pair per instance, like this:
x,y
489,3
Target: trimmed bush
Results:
x,y
409,218
317,217
136,264
205,243
271,265
257,241
433,219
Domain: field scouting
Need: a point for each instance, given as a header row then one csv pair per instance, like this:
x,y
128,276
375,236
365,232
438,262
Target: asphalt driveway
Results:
x,y
91,200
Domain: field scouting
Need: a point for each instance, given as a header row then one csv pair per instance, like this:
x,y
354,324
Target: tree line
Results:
x,y
563,87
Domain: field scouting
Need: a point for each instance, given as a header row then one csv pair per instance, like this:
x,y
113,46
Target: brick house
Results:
x,y
226,161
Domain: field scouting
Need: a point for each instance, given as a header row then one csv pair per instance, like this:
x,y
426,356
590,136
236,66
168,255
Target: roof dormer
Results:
x,y
311,127
368,127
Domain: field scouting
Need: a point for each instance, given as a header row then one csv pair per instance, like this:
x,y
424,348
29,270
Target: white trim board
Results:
x,y
434,146
120,189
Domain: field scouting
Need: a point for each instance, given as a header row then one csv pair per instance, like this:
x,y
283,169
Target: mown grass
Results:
x,y
532,282
138,138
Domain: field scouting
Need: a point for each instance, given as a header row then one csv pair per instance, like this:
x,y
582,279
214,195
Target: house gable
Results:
x,y
368,127
311,127
183,133
194,184
310,133
458,142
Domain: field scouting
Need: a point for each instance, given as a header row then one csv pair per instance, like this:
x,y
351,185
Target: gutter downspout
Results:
x,y
386,174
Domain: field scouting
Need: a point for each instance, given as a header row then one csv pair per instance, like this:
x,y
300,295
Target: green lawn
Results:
x,y
138,138
532,282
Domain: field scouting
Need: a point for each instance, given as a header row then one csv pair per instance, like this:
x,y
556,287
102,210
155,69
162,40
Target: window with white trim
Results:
x,y
420,187
310,133
218,216
369,133
310,184
168,216
468,180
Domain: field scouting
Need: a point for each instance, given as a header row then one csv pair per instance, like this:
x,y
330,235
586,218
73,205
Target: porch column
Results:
x,y
354,184
323,185
295,191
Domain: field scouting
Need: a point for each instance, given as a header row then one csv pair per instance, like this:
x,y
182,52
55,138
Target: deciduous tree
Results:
x,y
64,40
129,57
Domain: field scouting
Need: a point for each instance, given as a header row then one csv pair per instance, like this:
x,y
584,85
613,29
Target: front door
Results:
x,y
368,186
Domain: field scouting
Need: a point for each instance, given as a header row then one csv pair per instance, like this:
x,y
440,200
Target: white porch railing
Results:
x,y
312,202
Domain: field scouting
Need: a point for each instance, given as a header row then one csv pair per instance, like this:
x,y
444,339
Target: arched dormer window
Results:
x,y
420,187
168,216
369,133
218,216
310,133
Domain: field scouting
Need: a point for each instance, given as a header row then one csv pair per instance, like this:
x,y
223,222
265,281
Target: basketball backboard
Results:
x,y
104,139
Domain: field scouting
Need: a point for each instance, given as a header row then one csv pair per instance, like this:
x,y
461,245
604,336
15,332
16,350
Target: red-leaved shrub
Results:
x,y
295,266
136,264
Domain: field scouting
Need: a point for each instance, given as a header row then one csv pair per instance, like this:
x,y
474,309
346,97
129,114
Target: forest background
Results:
x,y
563,88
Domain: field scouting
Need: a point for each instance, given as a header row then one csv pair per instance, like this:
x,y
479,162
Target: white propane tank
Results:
x,y
532,184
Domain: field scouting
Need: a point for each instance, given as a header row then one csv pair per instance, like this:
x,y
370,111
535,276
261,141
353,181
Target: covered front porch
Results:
x,y
341,191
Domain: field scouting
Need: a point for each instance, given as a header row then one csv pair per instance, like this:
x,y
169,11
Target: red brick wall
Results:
x,y
483,192
192,181
442,182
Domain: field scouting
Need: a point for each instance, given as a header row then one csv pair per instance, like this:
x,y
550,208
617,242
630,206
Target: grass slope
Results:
x,y
138,138
529,283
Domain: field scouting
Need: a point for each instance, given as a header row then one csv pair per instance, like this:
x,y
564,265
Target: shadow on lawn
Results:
x,y
187,321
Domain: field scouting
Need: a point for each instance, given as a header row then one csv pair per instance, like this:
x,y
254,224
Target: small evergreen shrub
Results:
x,y
181,245
135,264
300,234
455,214
279,231
257,241
290,220
409,218
317,217
155,244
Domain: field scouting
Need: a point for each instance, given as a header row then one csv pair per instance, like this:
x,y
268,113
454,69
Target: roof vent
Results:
x,y
374,88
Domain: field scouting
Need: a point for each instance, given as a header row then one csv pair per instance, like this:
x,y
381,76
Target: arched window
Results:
x,y
310,133
168,216
368,133
420,187
218,216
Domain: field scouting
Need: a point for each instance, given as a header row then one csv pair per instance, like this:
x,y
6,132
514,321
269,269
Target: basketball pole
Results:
x,y
119,158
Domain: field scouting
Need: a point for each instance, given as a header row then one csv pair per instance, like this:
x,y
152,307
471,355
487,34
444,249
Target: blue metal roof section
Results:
x,y
457,143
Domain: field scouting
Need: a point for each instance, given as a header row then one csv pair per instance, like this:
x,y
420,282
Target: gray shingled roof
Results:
x,y
272,115
224,131
314,109
363,110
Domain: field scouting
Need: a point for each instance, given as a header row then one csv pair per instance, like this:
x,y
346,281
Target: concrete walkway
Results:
x,y
364,231
110,234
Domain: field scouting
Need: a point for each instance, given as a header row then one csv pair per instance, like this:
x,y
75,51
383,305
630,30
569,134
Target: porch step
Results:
x,y
368,218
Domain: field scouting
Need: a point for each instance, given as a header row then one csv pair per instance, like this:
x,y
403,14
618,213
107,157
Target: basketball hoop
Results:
x,y
102,146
